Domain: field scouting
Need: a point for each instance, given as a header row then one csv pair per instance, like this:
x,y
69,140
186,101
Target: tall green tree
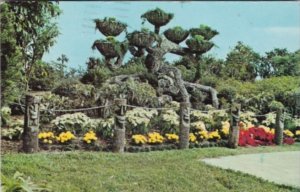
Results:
x,y
241,63
61,64
11,58
280,62
211,65
28,31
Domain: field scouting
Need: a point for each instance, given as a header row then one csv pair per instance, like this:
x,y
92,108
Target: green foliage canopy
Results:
x,y
27,33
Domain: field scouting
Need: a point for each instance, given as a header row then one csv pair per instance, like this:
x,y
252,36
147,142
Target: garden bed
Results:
x,y
9,146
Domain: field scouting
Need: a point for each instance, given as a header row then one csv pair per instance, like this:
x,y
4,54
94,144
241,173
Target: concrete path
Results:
x,y
279,167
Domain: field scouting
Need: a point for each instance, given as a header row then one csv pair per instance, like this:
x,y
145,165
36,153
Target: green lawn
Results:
x,y
177,170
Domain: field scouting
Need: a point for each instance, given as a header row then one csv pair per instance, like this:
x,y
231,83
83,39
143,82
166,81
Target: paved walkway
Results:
x,y
279,167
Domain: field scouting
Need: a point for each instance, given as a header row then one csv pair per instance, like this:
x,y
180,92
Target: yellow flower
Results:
x,y
298,132
288,133
225,131
40,135
225,124
139,139
172,137
155,138
245,125
65,136
202,134
89,137
225,127
214,135
192,138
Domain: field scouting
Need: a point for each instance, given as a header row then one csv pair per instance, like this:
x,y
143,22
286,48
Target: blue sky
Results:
x,y
261,25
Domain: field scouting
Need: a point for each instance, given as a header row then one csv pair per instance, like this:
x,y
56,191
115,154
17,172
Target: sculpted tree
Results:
x,y
154,46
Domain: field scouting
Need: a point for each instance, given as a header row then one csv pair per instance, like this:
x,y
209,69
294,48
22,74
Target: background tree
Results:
x,y
28,31
280,62
63,60
241,63
11,58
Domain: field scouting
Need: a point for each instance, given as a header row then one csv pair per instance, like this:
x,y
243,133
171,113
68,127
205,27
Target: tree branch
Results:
x,y
121,78
208,89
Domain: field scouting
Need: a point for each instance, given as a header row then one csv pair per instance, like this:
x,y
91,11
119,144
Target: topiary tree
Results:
x,y
155,46
112,50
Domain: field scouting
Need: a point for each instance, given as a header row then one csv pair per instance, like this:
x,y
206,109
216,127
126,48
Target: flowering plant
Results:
x,y
104,127
5,115
288,133
255,136
288,140
65,137
139,119
173,104
139,139
172,138
169,121
76,122
171,117
270,119
200,116
225,129
202,135
46,137
247,120
89,137
192,138
248,116
214,135
198,125
155,138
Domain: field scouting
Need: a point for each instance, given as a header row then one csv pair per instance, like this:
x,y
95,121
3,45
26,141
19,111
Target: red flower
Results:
x,y
288,140
255,136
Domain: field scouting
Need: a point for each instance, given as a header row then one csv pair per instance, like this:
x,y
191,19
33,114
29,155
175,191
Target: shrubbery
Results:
x,y
258,95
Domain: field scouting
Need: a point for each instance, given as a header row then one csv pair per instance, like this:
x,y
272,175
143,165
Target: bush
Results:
x,y
133,66
11,128
73,89
139,120
257,96
187,74
14,130
5,116
256,136
169,121
210,81
44,78
136,93
227,94
76,123
52,101
96,76
104,127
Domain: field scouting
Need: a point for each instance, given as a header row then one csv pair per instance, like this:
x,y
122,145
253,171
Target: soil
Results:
x,y
8,146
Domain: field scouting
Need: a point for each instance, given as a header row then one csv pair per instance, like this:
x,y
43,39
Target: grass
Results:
x,y
177,170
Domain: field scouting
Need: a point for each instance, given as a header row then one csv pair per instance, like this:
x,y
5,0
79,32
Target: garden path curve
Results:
x,y
278,167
